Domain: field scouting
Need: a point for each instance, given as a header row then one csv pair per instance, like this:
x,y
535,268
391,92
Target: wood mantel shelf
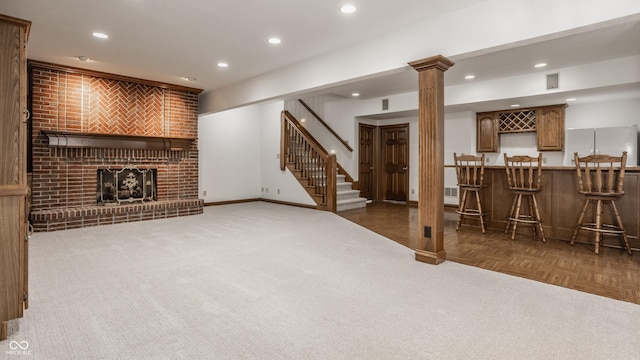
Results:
x,y
69,139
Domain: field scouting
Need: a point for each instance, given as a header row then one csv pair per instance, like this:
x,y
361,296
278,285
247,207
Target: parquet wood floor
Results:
x,y
612,273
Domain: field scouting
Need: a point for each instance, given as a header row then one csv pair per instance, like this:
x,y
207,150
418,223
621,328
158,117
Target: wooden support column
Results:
x,y
431,158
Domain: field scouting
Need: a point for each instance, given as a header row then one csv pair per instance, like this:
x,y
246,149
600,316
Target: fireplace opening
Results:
x,y
126,185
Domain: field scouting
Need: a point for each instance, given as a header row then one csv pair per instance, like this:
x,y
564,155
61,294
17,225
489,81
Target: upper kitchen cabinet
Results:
x,y
547,122
487,132
550,128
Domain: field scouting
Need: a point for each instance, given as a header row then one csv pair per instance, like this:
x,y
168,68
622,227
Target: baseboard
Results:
x,y
230,202
289,203
216,203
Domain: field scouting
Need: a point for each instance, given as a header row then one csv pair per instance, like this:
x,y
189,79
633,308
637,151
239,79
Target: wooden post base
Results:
x,y
431,257
3,331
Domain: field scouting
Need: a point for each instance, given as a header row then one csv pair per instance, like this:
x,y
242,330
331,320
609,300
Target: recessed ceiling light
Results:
x,y
100,35
355,94
571,99
469,77
189,78
82,58
515,105
274,41
348,9
540,65
223,64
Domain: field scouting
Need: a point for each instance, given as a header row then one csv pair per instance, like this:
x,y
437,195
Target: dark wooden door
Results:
x,y
366,173
395,157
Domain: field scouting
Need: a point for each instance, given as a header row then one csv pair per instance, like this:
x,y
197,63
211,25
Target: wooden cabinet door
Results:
x,y
12,105
550,128
12,251
13,178
487,132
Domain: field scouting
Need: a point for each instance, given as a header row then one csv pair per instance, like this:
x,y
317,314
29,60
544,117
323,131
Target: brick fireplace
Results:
x,y
84,122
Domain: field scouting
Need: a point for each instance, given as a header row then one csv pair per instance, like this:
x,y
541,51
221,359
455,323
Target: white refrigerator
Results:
x,y
610,140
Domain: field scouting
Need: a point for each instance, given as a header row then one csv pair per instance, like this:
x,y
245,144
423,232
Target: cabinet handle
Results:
x,y
29,230
28,113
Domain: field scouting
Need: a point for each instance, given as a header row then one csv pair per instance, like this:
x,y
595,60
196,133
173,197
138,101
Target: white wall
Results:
x,y
229,145
616,112
460,138
238,156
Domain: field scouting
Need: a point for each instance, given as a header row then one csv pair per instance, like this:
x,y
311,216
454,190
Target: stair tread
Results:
x,y
354,200
343,192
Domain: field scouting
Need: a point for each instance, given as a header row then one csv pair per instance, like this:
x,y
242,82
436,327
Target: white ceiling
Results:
x,y
168,40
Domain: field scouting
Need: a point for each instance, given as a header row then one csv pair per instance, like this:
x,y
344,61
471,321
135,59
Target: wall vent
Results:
x,y
385,104
450,191
552,81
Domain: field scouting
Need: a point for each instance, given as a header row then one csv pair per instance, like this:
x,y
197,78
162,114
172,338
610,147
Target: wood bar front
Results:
x,y
560,205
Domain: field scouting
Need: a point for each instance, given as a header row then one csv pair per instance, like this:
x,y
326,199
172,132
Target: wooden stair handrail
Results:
x,y
326,191
326,125
287,116
284,143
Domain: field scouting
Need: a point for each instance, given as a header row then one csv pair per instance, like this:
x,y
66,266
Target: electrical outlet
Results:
x,y
413,191
427,232
204,192
278,191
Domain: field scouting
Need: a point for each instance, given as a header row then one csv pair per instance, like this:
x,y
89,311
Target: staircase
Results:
x,y
316,170
346,197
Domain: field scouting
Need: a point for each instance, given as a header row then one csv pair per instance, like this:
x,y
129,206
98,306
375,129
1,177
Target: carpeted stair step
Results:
x,y
349,204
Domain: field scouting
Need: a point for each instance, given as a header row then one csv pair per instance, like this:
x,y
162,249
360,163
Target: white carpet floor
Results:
x,y
266,281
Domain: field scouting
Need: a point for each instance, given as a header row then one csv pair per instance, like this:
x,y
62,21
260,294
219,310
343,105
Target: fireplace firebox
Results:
x,y
126,185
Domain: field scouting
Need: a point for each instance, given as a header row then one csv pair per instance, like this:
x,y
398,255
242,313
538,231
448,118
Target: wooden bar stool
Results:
x,y
600,179
470,171
523,178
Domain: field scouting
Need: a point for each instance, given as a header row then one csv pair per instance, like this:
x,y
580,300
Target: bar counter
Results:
x,y
560,205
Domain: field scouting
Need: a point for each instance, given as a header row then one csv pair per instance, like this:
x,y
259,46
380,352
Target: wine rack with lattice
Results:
x,y
517,121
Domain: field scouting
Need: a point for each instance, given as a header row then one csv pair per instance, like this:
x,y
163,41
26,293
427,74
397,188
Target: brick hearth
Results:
x,y
64,179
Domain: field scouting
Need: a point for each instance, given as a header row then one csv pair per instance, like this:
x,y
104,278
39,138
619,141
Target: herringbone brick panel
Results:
x,y
118,107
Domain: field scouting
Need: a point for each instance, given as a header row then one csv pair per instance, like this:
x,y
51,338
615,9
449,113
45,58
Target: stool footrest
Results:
x,y
604,228
525,219
471,212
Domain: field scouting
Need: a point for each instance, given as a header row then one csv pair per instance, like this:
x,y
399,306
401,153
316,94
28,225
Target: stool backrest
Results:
x,y
603,174
523,172
469,169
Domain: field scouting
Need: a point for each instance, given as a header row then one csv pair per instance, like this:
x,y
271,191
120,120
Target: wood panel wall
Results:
x,y
560,204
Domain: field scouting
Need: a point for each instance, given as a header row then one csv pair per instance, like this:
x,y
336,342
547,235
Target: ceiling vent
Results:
x,y
552,81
